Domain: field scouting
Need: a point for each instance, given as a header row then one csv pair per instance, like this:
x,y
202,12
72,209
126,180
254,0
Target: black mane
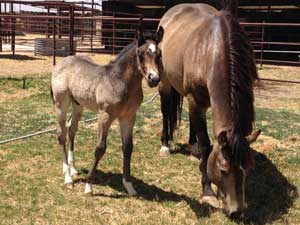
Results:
x,y
242,75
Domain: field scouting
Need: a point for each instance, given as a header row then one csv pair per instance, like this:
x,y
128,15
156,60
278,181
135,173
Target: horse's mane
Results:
x,y
242,75
123,52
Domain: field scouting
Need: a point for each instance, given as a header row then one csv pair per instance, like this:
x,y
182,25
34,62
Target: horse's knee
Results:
x,y
100,150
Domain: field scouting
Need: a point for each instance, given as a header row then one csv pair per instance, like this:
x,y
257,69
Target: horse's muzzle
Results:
x,y
153,80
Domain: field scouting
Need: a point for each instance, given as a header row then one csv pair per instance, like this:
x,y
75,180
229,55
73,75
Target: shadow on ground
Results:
x,y
18,57
146,191
269,193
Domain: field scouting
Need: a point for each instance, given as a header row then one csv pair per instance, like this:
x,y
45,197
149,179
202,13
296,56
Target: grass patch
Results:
x,y
32,190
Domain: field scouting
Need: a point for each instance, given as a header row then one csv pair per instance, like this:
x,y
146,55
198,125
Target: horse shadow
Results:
x,y
269,193
18,57
146,192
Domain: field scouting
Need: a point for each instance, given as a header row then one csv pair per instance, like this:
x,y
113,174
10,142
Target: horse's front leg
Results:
x,y
198,120
104,122
126,127
164,106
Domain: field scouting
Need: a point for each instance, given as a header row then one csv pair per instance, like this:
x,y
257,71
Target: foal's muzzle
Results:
x,y
153,80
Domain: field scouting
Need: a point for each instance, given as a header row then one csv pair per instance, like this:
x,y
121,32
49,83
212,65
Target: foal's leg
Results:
x,y
61,106
72,128
126,127
104,123
164,106
198,119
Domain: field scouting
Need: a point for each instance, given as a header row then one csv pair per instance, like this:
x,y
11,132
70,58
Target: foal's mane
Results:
x,y
123,52
242,75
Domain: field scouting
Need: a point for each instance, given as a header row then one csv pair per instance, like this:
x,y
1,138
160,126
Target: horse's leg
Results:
x,y
104,123
61,107
198,119
193,138
72,128
126,127
164,106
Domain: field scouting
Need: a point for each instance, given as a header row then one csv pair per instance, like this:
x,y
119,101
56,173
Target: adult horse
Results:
x,y
207,57
114,91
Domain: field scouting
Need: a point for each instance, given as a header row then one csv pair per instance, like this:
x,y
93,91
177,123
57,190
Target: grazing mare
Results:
x,y
114,91
207,58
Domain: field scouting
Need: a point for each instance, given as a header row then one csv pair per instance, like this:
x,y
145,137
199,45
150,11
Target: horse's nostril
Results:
x,y
153,77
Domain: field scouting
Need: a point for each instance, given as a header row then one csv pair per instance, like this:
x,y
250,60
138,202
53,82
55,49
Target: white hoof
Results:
x,y
129,187
73,171
164,151
88,189
68,178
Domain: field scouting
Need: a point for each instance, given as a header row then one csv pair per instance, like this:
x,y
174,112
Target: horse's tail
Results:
x,y
242,76
175,110
51,95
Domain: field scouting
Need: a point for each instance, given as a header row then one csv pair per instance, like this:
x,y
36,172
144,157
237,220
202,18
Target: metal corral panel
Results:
x,y
44,46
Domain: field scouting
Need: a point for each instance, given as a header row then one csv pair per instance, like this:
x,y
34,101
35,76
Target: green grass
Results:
x,y
32,190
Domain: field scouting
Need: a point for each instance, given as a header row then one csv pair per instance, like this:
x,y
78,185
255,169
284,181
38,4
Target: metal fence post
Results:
x,y
114,34
0,28
54,41
71,30
262,44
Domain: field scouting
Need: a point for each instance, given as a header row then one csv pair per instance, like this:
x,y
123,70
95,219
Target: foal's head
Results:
x,y
229,175
148,57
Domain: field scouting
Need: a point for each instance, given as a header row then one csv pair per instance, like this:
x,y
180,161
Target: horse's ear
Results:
x,y
222,139
159,34
140,37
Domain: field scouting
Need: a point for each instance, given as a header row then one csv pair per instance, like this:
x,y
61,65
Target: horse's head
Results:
x,y
230,176
148,57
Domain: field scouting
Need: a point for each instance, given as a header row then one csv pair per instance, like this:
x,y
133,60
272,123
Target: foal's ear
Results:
x,y
159,34
140,37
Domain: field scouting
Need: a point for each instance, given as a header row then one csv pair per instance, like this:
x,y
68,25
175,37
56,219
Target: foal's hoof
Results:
x,y
73,172
164,151
88,189
212,201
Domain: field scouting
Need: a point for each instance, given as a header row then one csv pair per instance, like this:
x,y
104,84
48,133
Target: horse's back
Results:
x,y
184,26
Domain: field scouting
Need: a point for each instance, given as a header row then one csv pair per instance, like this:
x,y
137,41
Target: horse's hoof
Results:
x,y
129,187
73,172
88,189
69,185
212,201
193,158
164,151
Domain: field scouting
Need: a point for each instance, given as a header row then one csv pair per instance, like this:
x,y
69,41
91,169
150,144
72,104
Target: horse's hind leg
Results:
x,y
104,123
62,103
126,127
72,128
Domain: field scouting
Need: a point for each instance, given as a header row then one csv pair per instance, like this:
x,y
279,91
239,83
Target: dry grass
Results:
x,y
31,184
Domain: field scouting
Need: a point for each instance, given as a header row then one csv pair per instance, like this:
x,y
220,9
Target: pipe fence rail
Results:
x,y
87,29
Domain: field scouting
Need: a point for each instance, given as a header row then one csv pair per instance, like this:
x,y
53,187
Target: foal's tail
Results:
x,y
51,95
175,110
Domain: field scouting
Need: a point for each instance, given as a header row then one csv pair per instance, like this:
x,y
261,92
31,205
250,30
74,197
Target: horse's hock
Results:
x,y
45,46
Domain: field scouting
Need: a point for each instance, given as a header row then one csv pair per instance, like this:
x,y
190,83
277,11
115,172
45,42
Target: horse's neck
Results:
x,y
218,88
127,69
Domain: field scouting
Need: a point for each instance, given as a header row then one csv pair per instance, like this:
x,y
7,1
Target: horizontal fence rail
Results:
x,y
90,30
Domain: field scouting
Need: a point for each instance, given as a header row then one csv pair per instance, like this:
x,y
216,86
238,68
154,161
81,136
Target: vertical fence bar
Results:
x,y
262,44
0,28
54,41
71,30
13,30
92,25
48,23
114,35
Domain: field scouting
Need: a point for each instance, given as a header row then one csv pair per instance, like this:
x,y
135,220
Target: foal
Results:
x,y
114,91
